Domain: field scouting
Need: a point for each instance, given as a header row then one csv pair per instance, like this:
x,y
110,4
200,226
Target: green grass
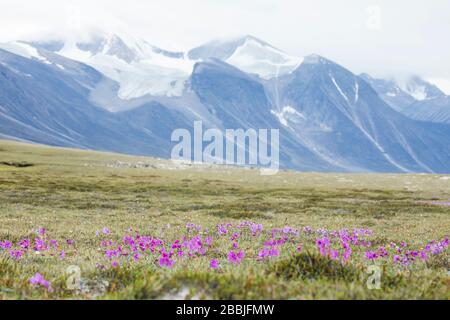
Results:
x,y
75,193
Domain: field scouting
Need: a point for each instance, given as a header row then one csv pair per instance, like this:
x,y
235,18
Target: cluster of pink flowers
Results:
x,y
268,253
5,245
223,229
285,231
335,244
236,257
39,280
254,228
192,227
165,253
339,245
199,243
403,254
39,245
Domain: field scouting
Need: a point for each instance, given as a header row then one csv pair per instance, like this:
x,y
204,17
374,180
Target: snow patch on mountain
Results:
x,y
393,93
287,114
339,88
266,61
419,89
248,54
417,92
24,50
356,91
139,68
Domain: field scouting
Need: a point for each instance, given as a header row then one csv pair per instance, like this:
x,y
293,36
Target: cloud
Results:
x,y
381,37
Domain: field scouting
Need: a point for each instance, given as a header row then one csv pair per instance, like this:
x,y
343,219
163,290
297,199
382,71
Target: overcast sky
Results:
x,y
381,37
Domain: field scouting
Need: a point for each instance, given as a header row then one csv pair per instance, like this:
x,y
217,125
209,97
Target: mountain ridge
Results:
x,y
329,118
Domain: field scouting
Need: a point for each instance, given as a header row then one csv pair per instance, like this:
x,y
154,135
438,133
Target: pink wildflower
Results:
x,y
39,280
214,264
334,254
16,254
268,253
371,255
222,230
25,243
236,257
165,261
6,245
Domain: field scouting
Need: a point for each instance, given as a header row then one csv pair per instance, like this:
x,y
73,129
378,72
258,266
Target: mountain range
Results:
x,y
414,97
115,92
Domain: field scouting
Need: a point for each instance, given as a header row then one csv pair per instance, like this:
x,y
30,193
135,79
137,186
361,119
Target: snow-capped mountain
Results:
x,y
64,93
23,49
400,94
420,89
139,68
433,110
390,91
333,107
250,55
45,99
415,98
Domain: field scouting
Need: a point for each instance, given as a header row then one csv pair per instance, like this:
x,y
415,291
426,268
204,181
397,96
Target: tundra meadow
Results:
x,y
91,225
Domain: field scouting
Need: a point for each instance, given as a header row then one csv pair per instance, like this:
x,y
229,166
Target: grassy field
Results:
x,y
89,201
